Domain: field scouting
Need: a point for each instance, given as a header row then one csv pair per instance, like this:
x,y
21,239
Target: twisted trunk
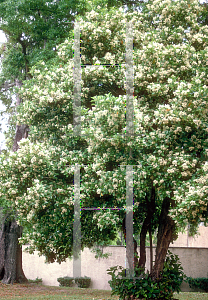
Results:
x,y
145,227
166,234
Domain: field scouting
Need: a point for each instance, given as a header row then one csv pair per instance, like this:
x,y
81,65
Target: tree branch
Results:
x,y
6,86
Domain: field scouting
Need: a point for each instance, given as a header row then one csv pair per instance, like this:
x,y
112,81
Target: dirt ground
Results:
x,y
15,290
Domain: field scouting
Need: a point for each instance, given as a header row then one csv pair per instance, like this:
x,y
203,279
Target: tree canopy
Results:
x,y
169,149
34,29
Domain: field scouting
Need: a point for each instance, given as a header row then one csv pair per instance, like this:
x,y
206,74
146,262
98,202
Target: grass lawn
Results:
x,y
38,291
192,296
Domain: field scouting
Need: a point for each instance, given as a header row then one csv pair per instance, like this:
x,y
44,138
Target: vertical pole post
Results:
x,y
129,133
77,132
129,81
77,82
129,222
77,225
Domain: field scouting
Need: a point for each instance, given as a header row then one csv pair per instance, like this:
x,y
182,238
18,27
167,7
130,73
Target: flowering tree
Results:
x,y
168,151
33,30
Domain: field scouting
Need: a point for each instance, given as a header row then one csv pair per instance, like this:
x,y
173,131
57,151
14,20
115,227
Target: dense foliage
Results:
x,y
169,149
198,283
65,281
83,282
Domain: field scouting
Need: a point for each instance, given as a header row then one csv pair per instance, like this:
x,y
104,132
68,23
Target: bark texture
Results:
x,y
166,234
10,251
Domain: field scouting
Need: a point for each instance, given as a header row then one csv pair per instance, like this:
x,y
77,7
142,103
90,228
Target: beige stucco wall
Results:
x,y
194,262
200,240
34,266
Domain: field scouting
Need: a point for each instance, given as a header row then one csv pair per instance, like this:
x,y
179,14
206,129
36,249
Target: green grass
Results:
x,y
42,292
192,296
57,297
38,291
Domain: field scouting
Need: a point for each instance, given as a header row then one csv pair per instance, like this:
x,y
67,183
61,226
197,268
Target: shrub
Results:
x,y
200,283
65,281
143,286
83,282
173,271
37,280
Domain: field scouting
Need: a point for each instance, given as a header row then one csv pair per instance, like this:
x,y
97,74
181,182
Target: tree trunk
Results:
x,y
151,249
145,227
166,234
147,222
10,251
21,130
142,258
135,245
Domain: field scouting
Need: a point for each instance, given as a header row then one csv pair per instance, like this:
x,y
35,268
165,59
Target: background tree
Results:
x,y
169,148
